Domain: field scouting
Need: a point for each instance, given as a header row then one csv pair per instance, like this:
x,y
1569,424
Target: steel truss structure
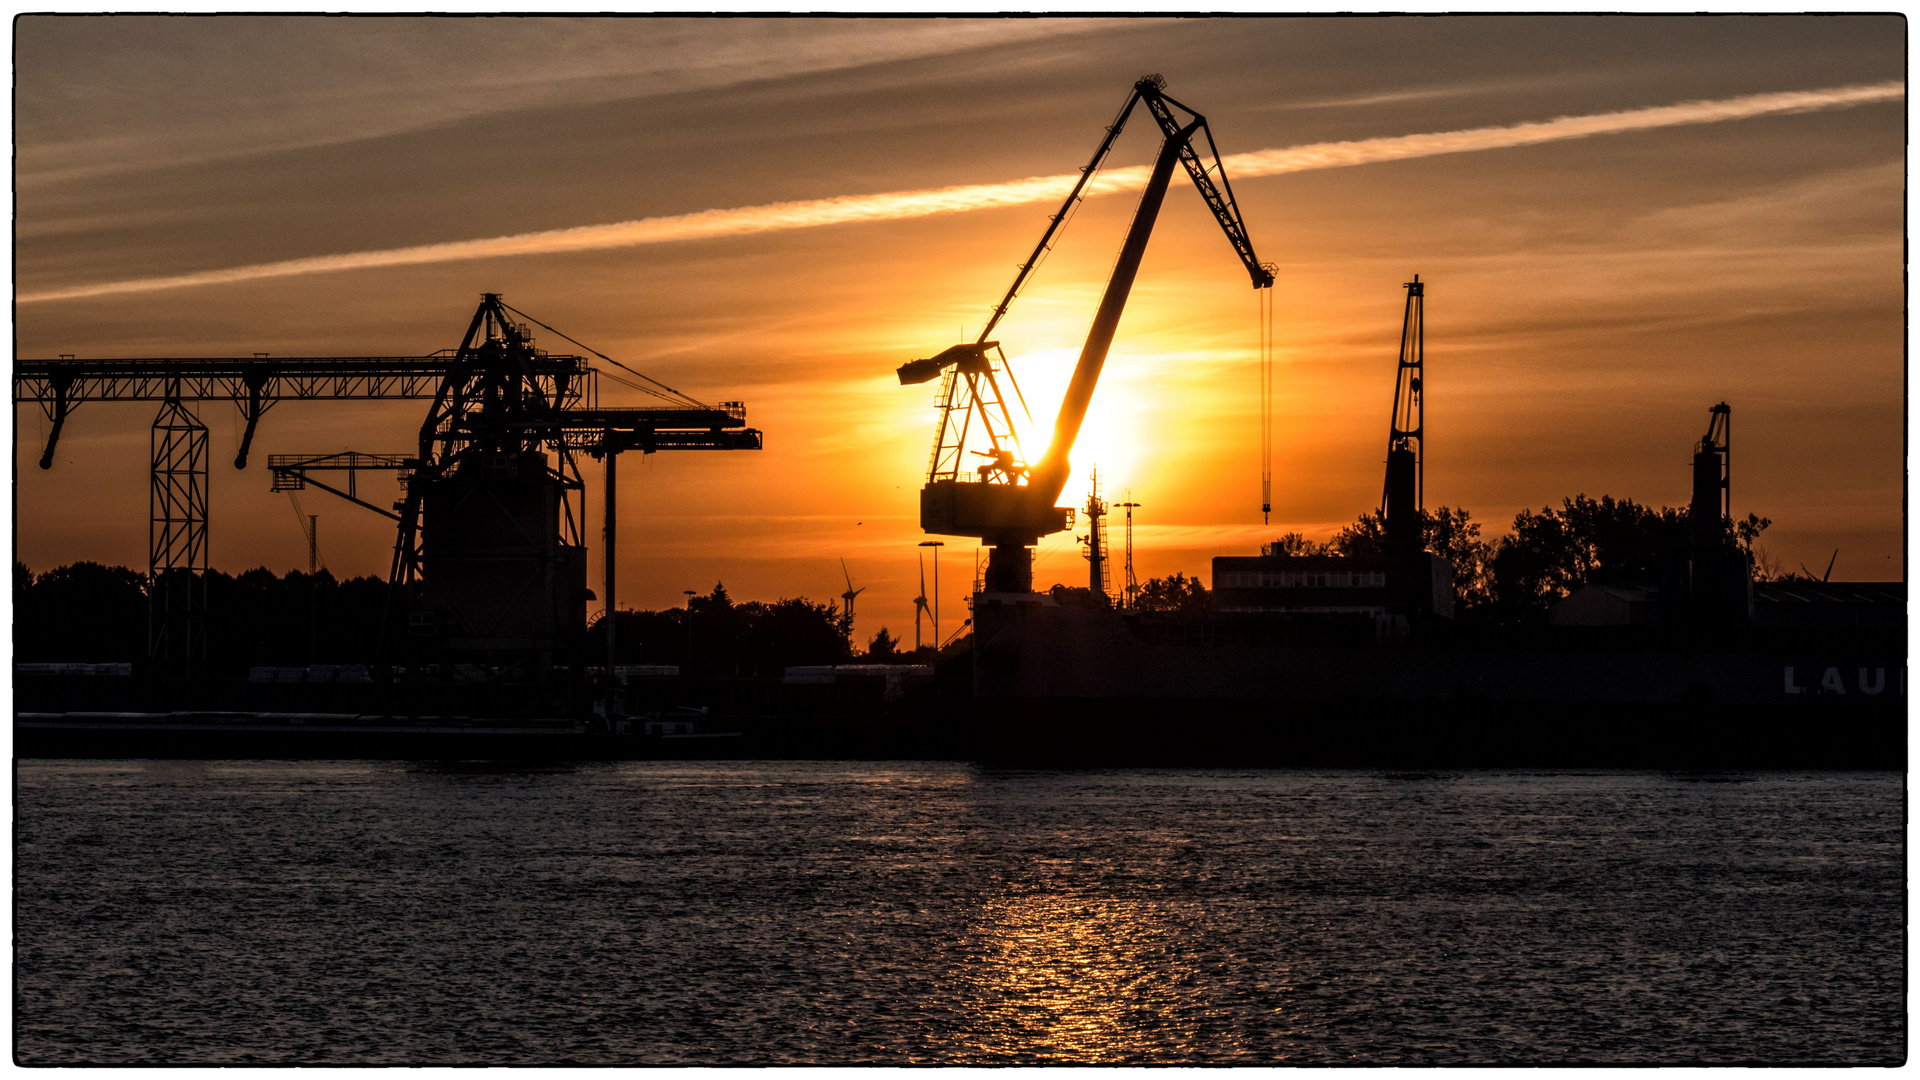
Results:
x,y
177,543
494,399
502,397
293,472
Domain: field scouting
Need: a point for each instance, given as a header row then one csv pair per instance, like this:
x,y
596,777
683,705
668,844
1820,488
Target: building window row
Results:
x,y
1304,579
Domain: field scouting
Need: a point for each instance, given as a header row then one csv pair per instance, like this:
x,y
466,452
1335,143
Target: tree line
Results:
x,y
714,635
1515,577
87,612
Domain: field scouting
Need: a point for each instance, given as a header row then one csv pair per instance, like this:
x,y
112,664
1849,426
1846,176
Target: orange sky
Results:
x,y
1588,298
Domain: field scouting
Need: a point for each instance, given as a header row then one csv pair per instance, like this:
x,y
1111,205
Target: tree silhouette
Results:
x,y
84,612
1175,592
1604,541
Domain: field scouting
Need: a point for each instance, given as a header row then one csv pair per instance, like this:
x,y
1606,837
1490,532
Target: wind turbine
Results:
x,y
920,603
851,591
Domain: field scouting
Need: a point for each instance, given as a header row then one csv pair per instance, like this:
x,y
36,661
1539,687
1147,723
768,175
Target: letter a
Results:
x,y
1830,682
1879,680
1792,689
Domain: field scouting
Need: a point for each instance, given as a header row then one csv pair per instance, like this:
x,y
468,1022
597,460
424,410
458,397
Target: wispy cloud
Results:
x,y
1396,96
1367,151
269,84
901,205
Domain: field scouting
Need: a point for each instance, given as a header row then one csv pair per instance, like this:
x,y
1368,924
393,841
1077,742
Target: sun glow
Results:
x,y
1116,435
1134,426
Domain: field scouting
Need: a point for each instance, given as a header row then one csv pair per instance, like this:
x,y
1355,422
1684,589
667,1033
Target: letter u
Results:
x,y
1879,681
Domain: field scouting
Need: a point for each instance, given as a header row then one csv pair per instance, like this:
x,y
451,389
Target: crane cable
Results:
x,y
1264,298
686,399
306,528
1028,271
1056,227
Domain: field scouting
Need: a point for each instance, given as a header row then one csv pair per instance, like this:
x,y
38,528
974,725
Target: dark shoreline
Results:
x,y
1031,733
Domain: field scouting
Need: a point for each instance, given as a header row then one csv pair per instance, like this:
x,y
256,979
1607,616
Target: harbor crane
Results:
x,y
1421,579
1403,497
1720,578
1007,502
490,548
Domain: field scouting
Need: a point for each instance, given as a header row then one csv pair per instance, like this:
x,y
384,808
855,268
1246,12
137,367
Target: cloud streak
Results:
x,y
270,84
902,205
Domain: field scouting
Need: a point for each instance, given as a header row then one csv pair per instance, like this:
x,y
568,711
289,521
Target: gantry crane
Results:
x,y
489,554
178,557
1006,502
490,549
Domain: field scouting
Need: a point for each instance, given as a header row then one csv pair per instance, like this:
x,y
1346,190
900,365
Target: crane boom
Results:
x,y
1013,504
1051,474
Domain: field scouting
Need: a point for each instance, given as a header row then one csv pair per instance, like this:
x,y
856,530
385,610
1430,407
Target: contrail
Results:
x,y
898,205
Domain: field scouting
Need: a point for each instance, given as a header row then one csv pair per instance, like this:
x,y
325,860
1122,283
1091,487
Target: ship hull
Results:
x,y
1061,684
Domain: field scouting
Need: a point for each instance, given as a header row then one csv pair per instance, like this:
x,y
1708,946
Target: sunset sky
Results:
x,y
220,187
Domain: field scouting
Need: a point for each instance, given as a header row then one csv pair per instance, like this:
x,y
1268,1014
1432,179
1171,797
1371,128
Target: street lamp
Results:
x,y
936,545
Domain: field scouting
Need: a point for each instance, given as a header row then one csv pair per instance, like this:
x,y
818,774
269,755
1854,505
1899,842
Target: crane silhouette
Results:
x,y
850,593
1009,502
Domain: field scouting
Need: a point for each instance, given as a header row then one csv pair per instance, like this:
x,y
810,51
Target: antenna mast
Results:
x,y
1098,579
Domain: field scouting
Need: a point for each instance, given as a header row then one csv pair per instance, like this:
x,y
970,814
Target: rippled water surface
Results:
x,y
823,912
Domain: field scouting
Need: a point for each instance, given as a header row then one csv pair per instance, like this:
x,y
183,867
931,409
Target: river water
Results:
x,y
810,912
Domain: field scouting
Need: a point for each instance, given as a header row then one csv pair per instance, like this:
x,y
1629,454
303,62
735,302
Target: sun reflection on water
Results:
x,y
1071,978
